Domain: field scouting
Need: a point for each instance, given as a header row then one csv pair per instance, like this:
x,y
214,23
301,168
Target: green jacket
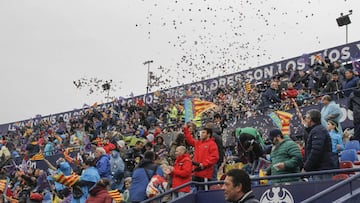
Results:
x,y
289,153
251,131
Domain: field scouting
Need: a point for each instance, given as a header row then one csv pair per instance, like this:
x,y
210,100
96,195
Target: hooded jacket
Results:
x,y
99,194
354,105
206,153
182,172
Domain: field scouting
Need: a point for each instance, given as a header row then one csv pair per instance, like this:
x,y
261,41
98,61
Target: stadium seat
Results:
x,y
341,176
349,155
352,144
346,164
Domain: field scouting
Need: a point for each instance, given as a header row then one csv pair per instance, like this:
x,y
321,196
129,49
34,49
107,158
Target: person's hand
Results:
x,y
338,147
280,165
201,166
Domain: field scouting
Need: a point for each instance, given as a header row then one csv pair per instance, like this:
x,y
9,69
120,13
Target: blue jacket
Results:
x,y
140,180
350,83
91,175
103,166
318,149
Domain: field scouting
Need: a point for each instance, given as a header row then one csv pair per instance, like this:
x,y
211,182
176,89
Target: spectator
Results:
x,y
334,86
330,110
206,153
117,166
89,177
99,193
354,106
270,98
181,172
237,187
103,163
318,154
126,194
285,156
336,137
350,82
142,175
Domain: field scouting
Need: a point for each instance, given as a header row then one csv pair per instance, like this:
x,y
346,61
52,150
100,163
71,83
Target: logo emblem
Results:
x,y
277,195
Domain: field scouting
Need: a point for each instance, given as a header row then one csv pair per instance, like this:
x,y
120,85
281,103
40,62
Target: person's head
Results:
x,y
217,118
274,85
332,125
127,182
159,140
99,152
103,183
276,136
326,99
180,150
312,117
139,145
150,155
335,75
206,133
236,184
349,74
148,146
89,161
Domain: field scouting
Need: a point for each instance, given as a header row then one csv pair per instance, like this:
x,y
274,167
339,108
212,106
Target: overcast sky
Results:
x,y
46,45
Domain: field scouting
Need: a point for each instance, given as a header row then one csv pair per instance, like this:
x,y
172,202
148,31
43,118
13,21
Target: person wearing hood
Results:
x,y
330,110
117,170
89,177
181,172
99,193
354,106
102,163
142,175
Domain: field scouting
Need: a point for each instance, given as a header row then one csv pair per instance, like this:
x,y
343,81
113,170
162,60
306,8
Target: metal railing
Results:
x,y
307,174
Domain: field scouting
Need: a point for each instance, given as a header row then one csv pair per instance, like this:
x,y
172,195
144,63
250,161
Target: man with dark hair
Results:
x,y
237,187
142,175
350,82
318,149
206,153
285,156
334,86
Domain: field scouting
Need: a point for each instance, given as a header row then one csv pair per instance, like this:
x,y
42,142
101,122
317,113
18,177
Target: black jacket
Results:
x,y
354,105
318,149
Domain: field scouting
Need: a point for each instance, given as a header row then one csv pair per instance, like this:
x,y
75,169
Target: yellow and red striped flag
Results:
x,y
115,195
37,157
201,106
2,185
67,156
68,181
285,118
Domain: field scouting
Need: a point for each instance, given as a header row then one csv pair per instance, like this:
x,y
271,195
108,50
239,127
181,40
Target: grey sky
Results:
x,y
46,45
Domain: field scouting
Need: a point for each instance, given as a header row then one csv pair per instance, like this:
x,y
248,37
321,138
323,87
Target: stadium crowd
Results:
x,y
121,146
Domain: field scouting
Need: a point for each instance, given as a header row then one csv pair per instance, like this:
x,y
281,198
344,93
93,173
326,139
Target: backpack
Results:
x,y
157,184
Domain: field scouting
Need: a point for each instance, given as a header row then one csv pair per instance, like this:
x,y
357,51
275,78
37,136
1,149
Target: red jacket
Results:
x,y
206,153
99,194
109,147
182,172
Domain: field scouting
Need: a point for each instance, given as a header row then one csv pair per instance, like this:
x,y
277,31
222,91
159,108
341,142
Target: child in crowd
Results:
x,y
126,194
336,137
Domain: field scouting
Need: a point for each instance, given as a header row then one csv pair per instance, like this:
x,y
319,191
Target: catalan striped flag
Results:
x,y
68,181
285,118
37,157
67,156
115,195
3,185
201,106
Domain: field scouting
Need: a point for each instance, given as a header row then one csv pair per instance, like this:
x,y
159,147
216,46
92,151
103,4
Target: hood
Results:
x,y
115,154
96,190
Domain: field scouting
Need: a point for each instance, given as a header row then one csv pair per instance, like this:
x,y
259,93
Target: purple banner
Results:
x,y
344,53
